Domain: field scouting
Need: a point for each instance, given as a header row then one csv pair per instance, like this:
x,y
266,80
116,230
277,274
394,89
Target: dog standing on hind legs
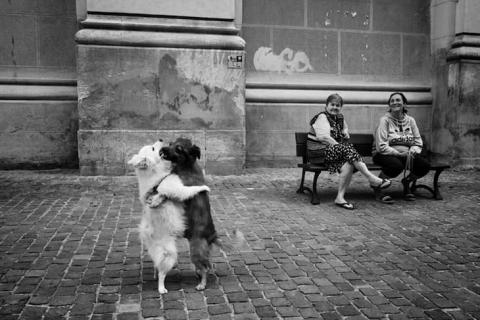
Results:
x,y
200,230
161,194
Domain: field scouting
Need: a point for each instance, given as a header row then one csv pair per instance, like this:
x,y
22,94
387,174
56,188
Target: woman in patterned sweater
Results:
x,y
398,145
328,143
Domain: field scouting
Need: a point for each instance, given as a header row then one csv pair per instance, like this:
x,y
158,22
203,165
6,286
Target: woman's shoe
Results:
x,y
407,193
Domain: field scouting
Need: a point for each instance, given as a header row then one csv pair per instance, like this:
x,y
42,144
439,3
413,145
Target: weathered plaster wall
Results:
x,y
129,94
38,101
303,50
160,69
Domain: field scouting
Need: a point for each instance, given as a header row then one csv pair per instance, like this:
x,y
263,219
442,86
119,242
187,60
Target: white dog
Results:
x,y
161,193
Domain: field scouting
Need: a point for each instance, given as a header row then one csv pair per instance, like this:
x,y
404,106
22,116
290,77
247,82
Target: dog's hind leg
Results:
x,y
200,255
165,258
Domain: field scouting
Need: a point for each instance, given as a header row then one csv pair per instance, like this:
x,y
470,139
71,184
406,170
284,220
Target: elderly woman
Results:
x,y
328,142
398,145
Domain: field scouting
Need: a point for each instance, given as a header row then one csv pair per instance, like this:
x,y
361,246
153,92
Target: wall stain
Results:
x,y
12,53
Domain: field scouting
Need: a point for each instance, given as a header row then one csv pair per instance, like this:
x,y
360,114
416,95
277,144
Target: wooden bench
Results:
x,y
363,143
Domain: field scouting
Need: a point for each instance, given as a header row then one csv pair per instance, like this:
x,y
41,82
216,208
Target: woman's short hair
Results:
x,y
334,97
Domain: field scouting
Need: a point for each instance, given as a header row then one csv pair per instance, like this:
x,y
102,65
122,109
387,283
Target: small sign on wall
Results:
x,y
235,61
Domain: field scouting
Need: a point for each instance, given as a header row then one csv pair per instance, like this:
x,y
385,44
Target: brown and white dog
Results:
x,y
200,231
161,193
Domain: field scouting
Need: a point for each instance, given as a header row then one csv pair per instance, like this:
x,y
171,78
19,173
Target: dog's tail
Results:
x,y
236,243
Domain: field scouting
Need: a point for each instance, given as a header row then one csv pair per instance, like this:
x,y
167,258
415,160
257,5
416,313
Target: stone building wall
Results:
x,y
38,100
298,52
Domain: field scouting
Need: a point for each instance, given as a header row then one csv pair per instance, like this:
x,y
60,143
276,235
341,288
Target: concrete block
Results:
x,y
29,139
64,8
416,62
270,143
18,40
224,152
339,14
155,88
56,42
101,152
216,9
401,16
377,54
31,116
321,47
273,12
358,118
18,7
276,117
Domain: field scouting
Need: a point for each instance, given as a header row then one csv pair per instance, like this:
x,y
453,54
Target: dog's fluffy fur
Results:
x,y
161,193
200,230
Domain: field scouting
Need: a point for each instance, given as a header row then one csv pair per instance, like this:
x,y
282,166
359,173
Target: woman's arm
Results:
x,y
322,130
418,143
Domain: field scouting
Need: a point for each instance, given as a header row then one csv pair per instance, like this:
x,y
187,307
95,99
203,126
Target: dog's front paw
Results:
x,y
155,200
200,287
162,290
205,188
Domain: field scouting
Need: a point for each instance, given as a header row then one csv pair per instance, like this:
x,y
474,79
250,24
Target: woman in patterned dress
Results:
x,y
328,143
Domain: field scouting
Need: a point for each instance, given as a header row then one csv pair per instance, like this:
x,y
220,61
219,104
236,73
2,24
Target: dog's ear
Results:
x,y
195,151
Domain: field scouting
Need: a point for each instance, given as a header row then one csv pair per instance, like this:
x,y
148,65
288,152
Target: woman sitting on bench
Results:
x,y
328,143
397,147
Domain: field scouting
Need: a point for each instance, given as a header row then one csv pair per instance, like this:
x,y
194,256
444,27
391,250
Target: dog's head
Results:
x,y
148,159
182,152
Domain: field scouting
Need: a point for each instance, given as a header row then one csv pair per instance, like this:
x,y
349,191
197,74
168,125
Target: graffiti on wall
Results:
x,y
287,61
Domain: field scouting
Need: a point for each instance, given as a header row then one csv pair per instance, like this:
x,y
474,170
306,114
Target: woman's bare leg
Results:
x,y
362,167
346,173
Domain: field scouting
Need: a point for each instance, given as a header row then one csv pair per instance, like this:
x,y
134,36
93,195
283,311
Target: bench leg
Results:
x,y
435,191
315,199
302,188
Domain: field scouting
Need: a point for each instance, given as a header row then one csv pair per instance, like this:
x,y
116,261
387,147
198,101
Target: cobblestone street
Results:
x,y
70,250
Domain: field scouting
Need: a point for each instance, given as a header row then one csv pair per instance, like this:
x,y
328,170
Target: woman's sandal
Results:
x,y
383,185
383,198
345,205
409,197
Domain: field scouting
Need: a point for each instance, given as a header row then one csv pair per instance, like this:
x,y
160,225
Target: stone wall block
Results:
x,y
416,50
370,53
56,41
273,12
18,40
36,141
401,16
224,152
158,89
275,117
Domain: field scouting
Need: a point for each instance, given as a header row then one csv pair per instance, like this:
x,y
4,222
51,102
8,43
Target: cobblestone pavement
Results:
x,y
70,250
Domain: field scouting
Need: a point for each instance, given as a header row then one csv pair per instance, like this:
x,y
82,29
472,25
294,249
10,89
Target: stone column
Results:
x,y
456,117
151,69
